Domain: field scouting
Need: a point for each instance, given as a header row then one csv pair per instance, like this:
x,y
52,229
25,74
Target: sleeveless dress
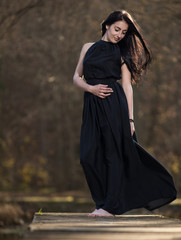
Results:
x,y
121,174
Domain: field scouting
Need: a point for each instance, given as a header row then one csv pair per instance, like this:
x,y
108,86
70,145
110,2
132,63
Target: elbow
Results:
x,y
76,79
127,88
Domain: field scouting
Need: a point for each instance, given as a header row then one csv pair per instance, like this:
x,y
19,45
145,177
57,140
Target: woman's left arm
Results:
x,y
128,90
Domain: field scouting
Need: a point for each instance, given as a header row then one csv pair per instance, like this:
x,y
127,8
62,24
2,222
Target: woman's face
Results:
x,y
116,31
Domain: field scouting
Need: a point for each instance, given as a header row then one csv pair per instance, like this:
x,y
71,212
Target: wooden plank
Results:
x,y
80,226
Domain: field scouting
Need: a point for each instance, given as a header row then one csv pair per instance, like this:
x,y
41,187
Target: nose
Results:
x,y
120,35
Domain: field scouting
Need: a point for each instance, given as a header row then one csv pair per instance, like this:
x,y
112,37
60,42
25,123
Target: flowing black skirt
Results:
x,y
121,174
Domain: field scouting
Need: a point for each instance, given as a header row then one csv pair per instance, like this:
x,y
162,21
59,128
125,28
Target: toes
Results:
x,y
102,215
91,215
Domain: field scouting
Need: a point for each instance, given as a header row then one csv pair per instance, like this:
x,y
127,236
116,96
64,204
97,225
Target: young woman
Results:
x,y
121,174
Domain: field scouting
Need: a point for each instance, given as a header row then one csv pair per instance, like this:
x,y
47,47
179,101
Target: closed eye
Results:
x,y
118,29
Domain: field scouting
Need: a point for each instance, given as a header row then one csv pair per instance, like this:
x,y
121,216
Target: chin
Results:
x,y
115,41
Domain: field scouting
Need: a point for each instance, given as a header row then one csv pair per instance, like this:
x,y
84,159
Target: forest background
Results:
x,y
41,109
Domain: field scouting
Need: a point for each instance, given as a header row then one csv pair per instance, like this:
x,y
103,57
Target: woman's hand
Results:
x,y
132,128
101,90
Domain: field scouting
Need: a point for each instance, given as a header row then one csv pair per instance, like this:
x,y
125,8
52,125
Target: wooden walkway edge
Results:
x,y
79,226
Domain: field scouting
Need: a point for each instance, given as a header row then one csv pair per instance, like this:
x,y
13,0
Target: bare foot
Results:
x,y
93,213
103,213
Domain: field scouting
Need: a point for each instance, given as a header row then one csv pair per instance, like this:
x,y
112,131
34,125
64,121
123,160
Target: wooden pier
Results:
x,y
70,226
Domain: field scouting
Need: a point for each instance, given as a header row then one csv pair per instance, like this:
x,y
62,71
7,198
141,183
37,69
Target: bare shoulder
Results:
x,y
86,46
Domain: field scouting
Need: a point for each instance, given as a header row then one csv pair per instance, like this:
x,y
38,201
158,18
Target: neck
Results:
x,y
104,38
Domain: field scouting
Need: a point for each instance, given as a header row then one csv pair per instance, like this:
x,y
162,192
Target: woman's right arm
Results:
x,y
77,78
99,90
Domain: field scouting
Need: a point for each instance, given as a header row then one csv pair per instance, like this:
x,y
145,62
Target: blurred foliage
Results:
x,y
40,107
11,214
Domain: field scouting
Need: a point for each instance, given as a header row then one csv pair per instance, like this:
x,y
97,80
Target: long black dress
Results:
x,y
121,175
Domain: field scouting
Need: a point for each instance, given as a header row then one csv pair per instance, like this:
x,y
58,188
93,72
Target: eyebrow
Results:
x,y
120,28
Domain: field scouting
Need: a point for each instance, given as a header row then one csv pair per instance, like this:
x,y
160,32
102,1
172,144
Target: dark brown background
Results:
x,y
40,107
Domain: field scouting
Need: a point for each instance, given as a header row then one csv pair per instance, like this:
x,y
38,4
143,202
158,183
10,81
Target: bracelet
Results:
x,y
131,120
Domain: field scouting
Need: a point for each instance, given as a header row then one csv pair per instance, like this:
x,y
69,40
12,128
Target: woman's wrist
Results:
x,y
89,88
131,120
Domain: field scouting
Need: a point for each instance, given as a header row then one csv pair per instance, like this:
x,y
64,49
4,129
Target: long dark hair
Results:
x,y
134,49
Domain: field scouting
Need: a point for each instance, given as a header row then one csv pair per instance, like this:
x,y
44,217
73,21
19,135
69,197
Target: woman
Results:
x,y
121,175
